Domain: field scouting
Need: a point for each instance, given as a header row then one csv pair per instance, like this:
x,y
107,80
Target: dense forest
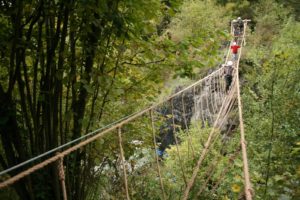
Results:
x,y
68,67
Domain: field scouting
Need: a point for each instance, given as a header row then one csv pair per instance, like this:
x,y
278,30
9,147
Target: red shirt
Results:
x,y
235,48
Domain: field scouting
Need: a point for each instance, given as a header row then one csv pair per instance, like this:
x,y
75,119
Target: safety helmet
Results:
x,y
229,62
239,18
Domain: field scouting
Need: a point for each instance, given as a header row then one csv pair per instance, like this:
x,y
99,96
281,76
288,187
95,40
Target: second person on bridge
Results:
x,y
234,48
228,74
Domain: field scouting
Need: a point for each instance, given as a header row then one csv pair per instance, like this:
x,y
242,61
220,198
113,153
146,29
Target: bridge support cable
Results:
x,y
156,156
96,134
176,142
186,126
123,162
248,189
201,106
212,99
61,172
223,90
218,90
210,118
214,93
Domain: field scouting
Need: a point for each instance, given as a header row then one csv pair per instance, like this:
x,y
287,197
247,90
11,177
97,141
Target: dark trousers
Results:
x,y
228,80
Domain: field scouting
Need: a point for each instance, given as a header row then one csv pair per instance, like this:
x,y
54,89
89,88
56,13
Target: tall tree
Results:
x,y
60,62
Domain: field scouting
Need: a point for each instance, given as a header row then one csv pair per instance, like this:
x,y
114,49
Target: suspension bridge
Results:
x,y
205,102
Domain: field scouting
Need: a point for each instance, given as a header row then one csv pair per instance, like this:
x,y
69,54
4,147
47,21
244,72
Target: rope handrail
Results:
x,y
186,126
248,190
176,143
123,162
115,124
156,157
99,133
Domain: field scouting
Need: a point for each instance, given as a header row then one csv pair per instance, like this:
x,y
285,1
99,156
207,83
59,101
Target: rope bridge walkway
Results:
x,y
204,104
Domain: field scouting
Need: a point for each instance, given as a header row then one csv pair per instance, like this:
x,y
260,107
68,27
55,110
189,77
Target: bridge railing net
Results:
x,y
139,146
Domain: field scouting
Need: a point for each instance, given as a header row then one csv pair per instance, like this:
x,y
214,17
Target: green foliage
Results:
x,y
269,18
196,34
68,67
175,170
294,5
271,99
242,8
